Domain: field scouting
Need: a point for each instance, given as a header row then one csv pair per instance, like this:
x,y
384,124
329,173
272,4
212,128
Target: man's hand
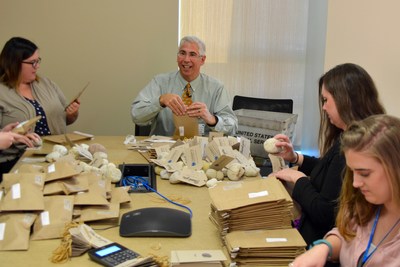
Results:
x,y
173,102
200,110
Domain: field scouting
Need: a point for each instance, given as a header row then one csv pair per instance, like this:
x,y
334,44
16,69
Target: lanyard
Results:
x,y
366,255
371,236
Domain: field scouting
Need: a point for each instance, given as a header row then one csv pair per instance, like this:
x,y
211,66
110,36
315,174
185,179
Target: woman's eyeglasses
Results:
x,y
34,63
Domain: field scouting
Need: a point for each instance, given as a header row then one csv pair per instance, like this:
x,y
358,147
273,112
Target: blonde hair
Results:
x,y
377,136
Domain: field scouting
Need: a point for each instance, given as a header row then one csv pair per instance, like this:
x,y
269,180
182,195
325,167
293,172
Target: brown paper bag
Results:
x,y
95,213
9,179
193,157
96,195
61,170
26,126
51,222
192,177
185,127
120,195
75,184
15,229
76,213
53,188
23,192
30,168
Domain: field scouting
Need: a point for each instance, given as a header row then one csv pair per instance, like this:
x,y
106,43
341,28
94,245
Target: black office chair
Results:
x,y
142,130
267,104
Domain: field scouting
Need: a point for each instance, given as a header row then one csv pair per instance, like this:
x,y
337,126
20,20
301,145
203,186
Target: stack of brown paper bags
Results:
x,y
250,205
264,247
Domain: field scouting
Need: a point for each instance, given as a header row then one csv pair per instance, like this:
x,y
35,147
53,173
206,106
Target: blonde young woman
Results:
x,y
368,221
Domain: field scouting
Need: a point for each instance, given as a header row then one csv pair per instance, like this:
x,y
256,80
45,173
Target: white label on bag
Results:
x,y
67,204
202,127
16,191
2,230
258,194
51,168
276,239
45,217
1,194
38,179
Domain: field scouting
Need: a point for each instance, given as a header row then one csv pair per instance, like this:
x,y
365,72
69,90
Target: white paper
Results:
x,y
51,168
45,218
2,230
68,204
38,179
202,126
258,194
16,191
276,239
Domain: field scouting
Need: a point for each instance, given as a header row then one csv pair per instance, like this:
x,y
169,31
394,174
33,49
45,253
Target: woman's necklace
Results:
x,y
368,255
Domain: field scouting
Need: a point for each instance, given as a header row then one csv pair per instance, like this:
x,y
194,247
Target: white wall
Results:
x,y
366,32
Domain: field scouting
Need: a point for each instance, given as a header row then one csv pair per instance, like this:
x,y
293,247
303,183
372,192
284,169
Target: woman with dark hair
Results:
x,y
347,93
25,95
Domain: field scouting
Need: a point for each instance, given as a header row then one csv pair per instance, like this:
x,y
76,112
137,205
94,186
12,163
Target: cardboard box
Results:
x,y
258,126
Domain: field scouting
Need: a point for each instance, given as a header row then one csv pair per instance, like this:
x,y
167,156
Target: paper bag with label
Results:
x,y
15,230
95,213
25,126
9,179
221,162
192,157
23,192
185,127
228,196
192,177
51,222
212,151
96,195
61,170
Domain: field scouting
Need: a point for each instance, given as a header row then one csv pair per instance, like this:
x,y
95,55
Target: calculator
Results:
x,y
112,255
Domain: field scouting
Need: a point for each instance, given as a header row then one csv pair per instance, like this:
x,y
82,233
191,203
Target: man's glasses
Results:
x,y
191,55
34,63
